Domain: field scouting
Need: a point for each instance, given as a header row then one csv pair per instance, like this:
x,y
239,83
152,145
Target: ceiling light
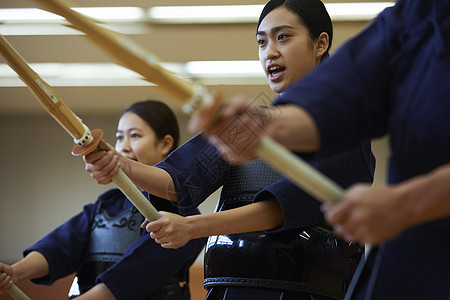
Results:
x,y
113,13
110,74
235,68
188,14
27,15
356,11
75,74
250,13
205,14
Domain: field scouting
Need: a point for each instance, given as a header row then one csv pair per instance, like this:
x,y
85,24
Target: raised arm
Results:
x,y
105,163
241,120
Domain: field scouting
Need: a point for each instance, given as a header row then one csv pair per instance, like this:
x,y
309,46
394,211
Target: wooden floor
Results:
x,y
59,290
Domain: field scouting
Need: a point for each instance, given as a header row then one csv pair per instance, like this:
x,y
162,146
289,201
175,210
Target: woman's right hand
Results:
x,y
237,128
103,164
6,277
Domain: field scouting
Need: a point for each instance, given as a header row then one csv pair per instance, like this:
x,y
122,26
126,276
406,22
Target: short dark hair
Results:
x,y
312,13
159,117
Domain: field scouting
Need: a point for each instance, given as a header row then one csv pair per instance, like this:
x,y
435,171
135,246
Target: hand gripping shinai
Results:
x,y
85,140
194,98
17,293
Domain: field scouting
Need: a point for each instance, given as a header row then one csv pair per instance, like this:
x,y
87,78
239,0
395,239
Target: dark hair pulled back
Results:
x,y
311,13
159,117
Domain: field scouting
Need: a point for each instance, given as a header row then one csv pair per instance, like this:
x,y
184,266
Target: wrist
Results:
x,y
415,195
18,272
195,227
125,165
34,265
406,206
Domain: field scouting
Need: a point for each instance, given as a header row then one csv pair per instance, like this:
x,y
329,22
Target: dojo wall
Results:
x,y
42,184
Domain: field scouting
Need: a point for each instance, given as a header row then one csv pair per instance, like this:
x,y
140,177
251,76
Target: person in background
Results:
x,y
391,79
112,256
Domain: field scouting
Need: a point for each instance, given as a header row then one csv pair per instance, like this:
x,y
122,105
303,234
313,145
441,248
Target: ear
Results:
x,y
166,144
322,44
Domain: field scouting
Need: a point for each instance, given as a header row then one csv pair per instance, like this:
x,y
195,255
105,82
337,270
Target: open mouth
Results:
x,y
275,71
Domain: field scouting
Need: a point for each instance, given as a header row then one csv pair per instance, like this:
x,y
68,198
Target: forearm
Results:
x,y
34,265
154,180
428,196
294,128
257,216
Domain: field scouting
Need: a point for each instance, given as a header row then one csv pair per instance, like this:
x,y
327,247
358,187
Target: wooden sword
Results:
x,y
86,141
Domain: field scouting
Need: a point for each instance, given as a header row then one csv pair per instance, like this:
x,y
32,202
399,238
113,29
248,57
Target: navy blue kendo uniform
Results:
x,y
105,243
301,259
392,79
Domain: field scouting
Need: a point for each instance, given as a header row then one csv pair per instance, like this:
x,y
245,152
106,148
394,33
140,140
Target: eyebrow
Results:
x,y
274,29
127,130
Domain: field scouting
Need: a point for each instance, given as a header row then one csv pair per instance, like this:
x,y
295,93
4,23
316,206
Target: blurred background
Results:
x,y
207,41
